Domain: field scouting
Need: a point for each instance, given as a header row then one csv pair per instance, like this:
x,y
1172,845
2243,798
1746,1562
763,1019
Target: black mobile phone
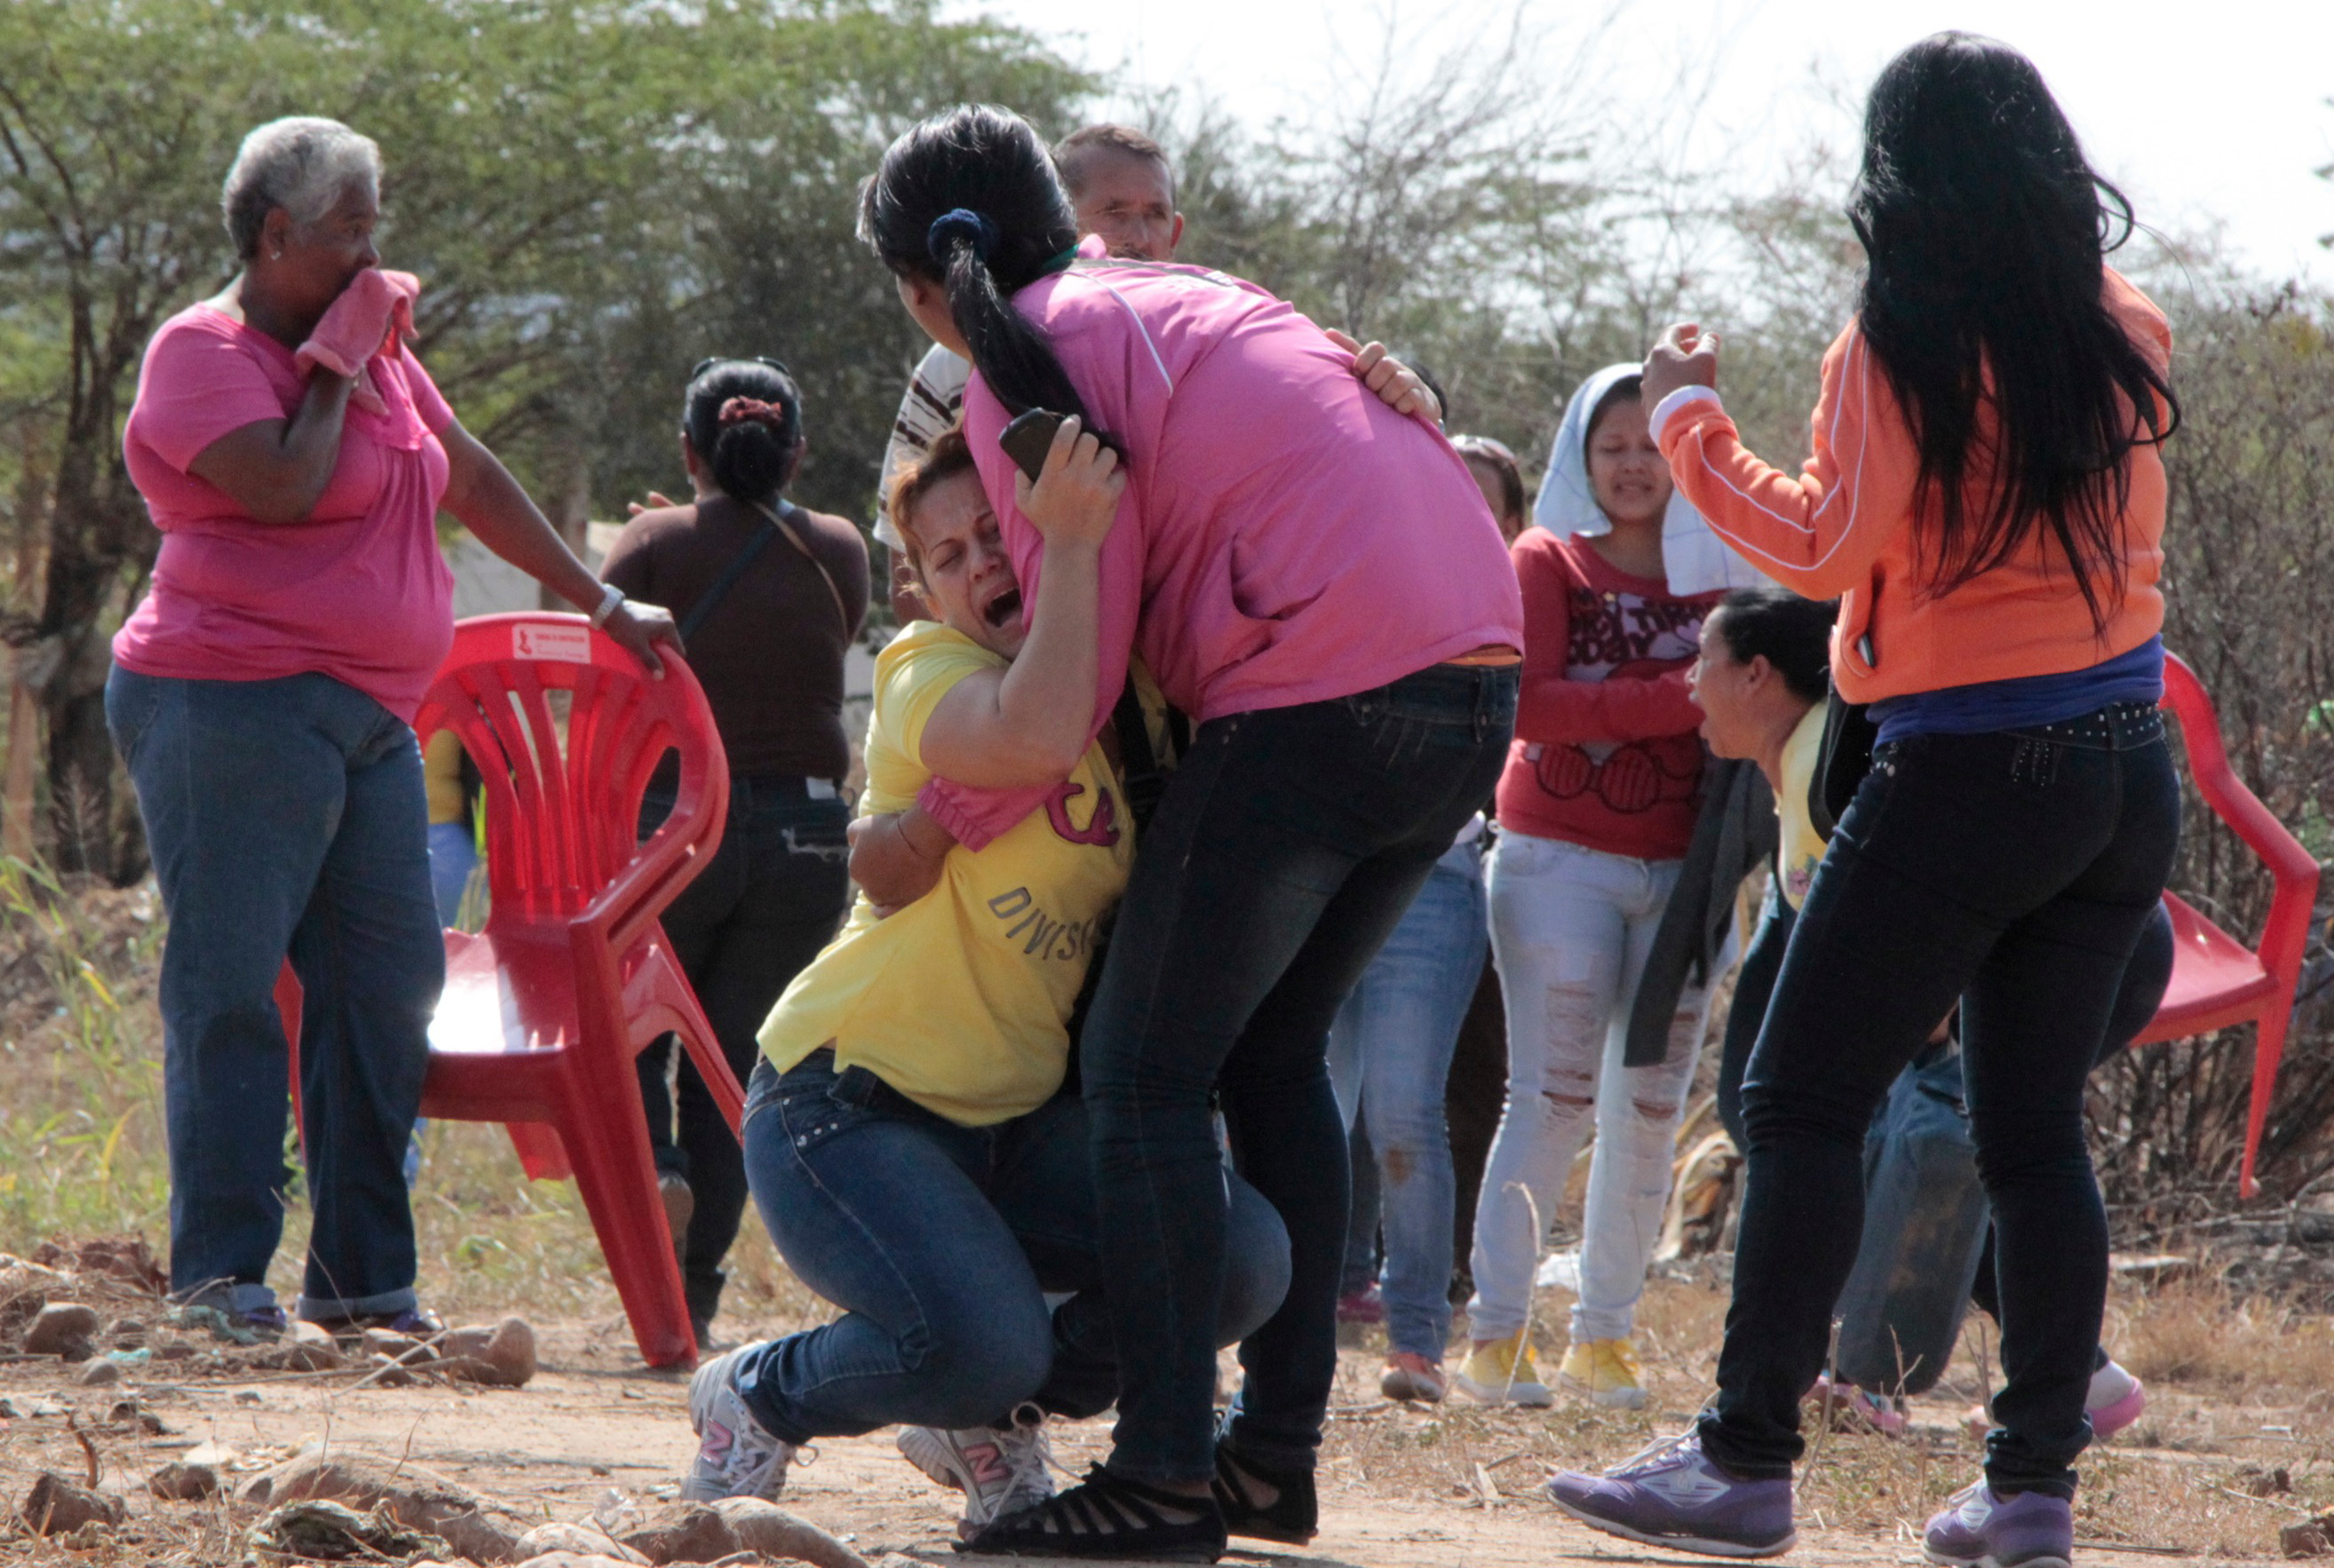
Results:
x,y
1029,438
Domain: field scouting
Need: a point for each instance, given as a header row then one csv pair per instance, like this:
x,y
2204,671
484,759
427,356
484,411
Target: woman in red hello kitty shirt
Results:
x,y
1597,808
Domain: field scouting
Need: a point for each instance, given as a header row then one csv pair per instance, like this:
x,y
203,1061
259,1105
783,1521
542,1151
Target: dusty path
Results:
x,y
594,1431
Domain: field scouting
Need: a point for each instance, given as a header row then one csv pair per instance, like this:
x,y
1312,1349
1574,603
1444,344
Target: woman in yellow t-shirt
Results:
x,y
908,1137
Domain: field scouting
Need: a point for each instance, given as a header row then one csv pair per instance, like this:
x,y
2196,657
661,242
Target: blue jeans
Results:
x,y
2015,872
939,1243
287,815
453,856
1285,850
752,920
1390,1051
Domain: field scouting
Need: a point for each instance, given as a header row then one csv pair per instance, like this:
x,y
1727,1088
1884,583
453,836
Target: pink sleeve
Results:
x,y
199,385
427,401
975,816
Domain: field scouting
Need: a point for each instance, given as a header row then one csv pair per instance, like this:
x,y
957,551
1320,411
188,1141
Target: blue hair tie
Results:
x,y
961,222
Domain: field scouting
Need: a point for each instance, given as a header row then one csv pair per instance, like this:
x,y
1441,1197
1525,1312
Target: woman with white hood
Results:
x,y
1596,809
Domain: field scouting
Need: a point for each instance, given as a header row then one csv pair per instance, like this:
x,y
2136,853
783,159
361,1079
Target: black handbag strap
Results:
x,y
711,597
1845,757
1146,780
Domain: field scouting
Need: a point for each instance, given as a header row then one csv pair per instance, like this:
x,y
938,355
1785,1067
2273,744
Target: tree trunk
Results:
x,y
93,522
571,512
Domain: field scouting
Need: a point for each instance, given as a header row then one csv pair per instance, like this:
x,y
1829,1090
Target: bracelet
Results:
x,y
609,600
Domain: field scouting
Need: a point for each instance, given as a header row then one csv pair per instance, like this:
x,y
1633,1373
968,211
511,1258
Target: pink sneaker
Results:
x,y
1847,1408
2115,1401
1364,1306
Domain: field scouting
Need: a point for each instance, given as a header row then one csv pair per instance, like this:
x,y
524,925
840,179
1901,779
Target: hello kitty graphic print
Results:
x,y
1607,751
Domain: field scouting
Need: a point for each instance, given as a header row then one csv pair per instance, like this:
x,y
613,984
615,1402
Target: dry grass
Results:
x,y
2254,1400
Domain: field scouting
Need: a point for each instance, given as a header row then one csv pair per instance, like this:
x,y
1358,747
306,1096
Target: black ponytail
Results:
x,y
743,419
969,199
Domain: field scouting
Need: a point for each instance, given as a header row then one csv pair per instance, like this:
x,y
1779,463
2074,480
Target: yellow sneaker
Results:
x,y
1501,1373
1607,1371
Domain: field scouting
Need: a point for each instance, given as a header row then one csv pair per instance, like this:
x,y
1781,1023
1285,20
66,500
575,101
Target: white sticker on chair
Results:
x,y
571,644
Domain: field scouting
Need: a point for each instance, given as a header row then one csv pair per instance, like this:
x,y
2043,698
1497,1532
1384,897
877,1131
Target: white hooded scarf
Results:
x,y
1695,559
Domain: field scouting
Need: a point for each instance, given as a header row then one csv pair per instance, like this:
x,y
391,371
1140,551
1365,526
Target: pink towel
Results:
x,y
369,318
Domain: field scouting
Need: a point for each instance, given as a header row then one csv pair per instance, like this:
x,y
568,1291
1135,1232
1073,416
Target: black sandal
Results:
x,y
1106,1516
1293,1517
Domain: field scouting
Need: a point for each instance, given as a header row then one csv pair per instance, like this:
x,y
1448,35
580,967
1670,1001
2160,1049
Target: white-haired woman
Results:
x,y
295,455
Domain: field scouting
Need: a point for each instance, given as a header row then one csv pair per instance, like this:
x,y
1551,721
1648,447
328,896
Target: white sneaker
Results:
x,y
736,1456
1000,1470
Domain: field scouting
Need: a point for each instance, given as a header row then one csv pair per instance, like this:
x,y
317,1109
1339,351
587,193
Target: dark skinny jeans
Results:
x,y
2015,872
752,920
1284,853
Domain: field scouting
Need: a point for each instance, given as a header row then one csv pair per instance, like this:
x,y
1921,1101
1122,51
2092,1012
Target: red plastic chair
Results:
x,y
545,1009
2218,982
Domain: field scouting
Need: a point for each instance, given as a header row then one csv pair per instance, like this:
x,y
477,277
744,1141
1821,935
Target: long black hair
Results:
x,y
1986,231
743,419
969,199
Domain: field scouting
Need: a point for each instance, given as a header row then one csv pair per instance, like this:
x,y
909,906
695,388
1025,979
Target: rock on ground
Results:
x,y
500,1356
573,1541
767,1528
417,1498
63,1328
183,1482
56,1506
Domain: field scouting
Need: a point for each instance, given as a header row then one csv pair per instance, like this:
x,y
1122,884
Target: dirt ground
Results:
x,y
1404,1487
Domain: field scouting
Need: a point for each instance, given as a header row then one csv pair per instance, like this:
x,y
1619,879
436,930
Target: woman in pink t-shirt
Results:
x,y
1314,579
295,455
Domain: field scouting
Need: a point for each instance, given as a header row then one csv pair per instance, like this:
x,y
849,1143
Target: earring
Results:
x,y
277,255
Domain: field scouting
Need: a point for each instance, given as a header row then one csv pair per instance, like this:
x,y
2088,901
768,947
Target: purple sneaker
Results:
x,y
1671,1495
1979,1530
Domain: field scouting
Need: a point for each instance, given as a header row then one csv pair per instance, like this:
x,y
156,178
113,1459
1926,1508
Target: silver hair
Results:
x,y
299,163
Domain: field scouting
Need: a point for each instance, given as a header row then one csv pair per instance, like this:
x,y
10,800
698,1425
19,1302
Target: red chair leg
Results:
x,y
606,1136
2269,1049
540,1153
713,1067
287,1003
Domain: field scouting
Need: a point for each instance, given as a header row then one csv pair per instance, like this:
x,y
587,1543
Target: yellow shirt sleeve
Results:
x,y
442,777
917,684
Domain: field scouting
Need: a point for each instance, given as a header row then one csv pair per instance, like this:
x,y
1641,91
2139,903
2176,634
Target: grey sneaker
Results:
x,y
1977,1529
736,1456
1671,1495
1000,1470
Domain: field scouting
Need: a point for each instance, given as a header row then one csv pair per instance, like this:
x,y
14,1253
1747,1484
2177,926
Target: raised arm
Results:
x,y
1817,531
1028,725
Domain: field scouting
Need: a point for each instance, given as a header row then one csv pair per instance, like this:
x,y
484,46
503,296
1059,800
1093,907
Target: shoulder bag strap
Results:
x,y
723,583
783,520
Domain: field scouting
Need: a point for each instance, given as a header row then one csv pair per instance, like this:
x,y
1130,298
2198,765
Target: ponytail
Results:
x,y
969,199
743,419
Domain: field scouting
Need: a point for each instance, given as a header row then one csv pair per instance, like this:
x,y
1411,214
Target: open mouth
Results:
x,y
1003,608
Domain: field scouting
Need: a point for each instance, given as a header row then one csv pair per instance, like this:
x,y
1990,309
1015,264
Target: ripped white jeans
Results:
x,y
1571,928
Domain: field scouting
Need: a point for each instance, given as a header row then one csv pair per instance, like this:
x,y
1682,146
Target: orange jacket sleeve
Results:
x,y
1817,533
1553,710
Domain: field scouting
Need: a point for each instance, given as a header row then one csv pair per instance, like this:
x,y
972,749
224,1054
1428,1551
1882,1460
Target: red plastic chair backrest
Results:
x,y
2293,869
563,819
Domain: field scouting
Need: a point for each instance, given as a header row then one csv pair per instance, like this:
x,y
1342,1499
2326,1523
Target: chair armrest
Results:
x,y
2294,870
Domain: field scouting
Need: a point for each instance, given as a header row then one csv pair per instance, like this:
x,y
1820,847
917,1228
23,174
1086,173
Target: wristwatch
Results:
x,y
609,600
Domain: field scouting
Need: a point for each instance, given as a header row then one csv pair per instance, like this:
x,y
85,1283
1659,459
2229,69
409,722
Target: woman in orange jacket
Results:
x,y
1986,496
